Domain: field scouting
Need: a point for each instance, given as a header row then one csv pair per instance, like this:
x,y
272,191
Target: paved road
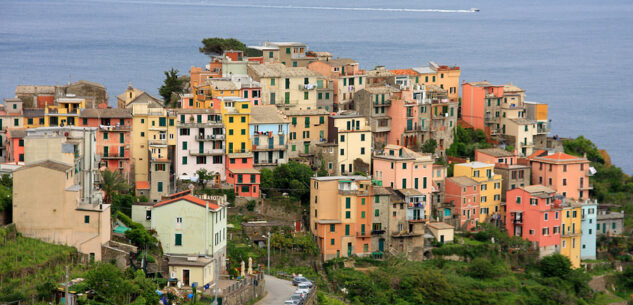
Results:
x,y
278,291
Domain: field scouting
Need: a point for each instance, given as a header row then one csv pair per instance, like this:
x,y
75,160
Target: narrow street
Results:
x,y
277,291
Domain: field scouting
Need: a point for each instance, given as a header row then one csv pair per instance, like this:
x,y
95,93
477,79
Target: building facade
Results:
x,y
201,144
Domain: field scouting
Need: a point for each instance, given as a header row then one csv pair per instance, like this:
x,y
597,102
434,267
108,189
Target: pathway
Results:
x,y
277,291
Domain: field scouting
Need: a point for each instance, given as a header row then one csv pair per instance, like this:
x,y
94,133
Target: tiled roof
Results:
x,y
463,181
142,185
50,164
280,70
537,188
305,112
339,61
106,113
33,112
409,72
266,114
496,152
188,198
439,225
561,156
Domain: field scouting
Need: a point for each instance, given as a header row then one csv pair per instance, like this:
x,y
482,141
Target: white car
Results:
x,y
291,302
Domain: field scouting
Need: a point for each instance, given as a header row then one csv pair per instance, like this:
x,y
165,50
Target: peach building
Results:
x,y
340,215
567,175
405,125
114,127
473,96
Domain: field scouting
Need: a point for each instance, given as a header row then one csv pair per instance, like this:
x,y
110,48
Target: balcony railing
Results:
x,y
114,127
114,156
307,87
206,124
377,232
586,187
383,103
363,234
210,137
207,152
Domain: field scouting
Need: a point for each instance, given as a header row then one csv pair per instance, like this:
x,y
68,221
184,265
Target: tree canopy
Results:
x,y
292,178
465,142
217,45
171,84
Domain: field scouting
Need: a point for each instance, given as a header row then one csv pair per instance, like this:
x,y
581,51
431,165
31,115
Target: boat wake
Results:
x,y
291,7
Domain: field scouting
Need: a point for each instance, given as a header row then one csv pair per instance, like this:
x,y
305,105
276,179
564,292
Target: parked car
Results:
x,y
297,297
291,302
304,286
298,279
307,282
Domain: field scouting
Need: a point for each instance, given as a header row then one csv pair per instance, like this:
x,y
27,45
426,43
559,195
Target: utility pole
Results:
x,y
268,252
66,287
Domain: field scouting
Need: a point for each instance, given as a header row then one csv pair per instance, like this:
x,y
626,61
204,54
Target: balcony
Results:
x,y
114,127
207,152
208,124
306,87
586,187
270,148
210,137
363,234
158,142
377,232
383,103
377,127
114,157
570,234
353,192
416,129
542,129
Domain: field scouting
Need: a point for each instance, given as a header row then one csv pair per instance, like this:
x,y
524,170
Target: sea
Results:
x,y
575,55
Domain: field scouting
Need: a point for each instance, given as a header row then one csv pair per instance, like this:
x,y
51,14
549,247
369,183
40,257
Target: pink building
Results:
x,y
241,174
200,143
401,168
114,136
473,96
462,195
15,145
567,175
495,156
405,126
533,214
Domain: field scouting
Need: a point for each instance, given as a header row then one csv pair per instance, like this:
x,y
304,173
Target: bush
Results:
x,y
483,268
555,265
251,205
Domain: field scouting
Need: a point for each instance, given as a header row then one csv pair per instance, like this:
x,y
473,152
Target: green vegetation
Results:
x,y
217,45
292,178
171,86
465,142
113,286
30,268
204,177
138,235
322,172
429,146
610,183
113,183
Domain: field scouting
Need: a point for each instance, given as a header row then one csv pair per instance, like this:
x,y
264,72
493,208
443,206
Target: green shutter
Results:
x,y
348,202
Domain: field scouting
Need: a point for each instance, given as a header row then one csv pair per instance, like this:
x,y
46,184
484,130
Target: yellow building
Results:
x,y
153,135
214,88
236,115
353,139
490,187
444,77
64,113
570,232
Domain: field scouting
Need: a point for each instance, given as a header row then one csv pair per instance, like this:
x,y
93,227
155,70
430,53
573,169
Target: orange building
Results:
x,y
114,128
340,215
15,145
567,175
473,97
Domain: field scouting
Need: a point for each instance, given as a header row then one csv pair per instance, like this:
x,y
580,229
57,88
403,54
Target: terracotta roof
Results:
x,y
188,198
142,185
537,153
174,195
379,190
410,192
409,72
106,113
561,156
537,188
50,164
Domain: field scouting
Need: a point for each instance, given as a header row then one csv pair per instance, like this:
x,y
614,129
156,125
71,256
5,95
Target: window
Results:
x,y
184,160
348,215
332,241
348,203
346,230
178,241
87,219
362,214
545,216
362,137
564,181
160,186
332,227
518,200
377,212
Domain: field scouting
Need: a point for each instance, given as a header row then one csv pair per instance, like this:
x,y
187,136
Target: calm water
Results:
x,y
574,55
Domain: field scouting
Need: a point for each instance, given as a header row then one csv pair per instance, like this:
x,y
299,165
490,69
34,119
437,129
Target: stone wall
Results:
x,y
117,252
244,291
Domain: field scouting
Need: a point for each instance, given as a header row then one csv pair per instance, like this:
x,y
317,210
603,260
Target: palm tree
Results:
x,y
112,183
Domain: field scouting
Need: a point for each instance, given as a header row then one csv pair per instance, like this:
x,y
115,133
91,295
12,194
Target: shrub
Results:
x,y
555,265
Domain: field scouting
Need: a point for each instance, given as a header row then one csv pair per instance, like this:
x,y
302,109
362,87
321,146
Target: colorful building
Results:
x,y
11,116
269,136
306,129
534,215
568,175
242,176
374,104
571,233
133,96
402,169
445,77
15,145
65,112
290,54
349,146
287,87
114,136
236,115
490,209
588,223
341,215
153,143
506,163
461,208
346,76
201,144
